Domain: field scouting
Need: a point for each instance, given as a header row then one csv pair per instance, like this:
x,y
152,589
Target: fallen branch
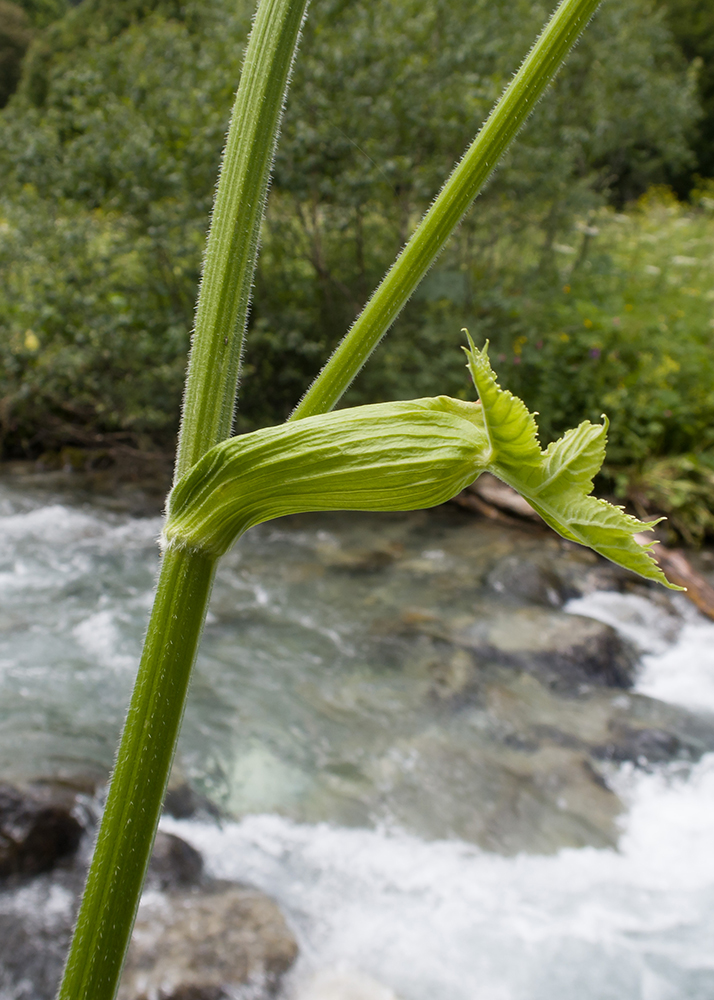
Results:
x,y
675,564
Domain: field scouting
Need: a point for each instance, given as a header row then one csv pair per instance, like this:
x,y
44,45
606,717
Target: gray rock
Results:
x,y
511,797
370,560
193,992
184,802
36,919
516,764
36,831
201,945
196,941
174,863
528,580
566,651
641,746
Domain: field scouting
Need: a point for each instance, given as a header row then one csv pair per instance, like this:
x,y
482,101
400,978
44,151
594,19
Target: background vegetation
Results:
x,y
593,282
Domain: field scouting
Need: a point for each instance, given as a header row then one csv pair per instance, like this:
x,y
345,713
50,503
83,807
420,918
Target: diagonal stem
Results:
x,y
454,200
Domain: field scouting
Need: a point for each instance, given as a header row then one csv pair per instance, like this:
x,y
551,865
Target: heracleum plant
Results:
x,y
388,456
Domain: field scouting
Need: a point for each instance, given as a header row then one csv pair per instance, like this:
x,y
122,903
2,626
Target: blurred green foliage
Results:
x,y
108,158
15,37
43,12
692,25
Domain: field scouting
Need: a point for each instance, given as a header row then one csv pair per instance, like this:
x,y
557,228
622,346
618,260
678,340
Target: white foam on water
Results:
x,y
56,524
99,637
446,920
49,906
681,673
650,628
51,525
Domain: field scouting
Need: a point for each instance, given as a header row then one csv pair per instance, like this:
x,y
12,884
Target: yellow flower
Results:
x,y
31,341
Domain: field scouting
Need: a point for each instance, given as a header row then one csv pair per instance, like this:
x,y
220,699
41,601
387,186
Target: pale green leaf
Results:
x,y
388,456
557,482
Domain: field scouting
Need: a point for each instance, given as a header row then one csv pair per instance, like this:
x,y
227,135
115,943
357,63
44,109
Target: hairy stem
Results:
x,y
456,197
143,764
232,246
148,742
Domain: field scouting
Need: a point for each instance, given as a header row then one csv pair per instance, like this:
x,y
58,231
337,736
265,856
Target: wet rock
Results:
x,y
359,560
641,746
174,863
510,799
36,831
203,945
529,580
605,724
195,993
184,802
36,919
519,764
566,651
455,677
198,943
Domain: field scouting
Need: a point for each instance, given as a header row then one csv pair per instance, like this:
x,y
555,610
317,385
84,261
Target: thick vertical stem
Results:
x,y
148,743
133,806
232,247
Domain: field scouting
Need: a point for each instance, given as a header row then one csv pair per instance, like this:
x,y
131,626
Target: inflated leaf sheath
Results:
x,y
387,456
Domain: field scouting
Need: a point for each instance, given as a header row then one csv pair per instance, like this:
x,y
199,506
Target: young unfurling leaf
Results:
x,y
558,482
404,456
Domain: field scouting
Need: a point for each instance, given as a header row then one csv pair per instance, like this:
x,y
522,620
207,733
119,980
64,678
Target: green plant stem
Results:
x,y
232,246
131,815
454,200
148,742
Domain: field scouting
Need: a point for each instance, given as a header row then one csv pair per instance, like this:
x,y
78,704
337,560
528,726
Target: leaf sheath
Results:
x,y
388,456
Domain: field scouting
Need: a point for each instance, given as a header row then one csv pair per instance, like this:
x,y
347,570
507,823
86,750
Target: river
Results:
x,y
436,818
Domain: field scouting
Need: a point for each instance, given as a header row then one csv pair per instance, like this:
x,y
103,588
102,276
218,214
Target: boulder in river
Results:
x,y
520,797
194,939
174,863
532,580
206,944
566,651
36,918
36,831
182,801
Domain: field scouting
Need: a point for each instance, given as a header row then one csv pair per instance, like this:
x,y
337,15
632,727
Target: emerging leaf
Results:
x,y
558,482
